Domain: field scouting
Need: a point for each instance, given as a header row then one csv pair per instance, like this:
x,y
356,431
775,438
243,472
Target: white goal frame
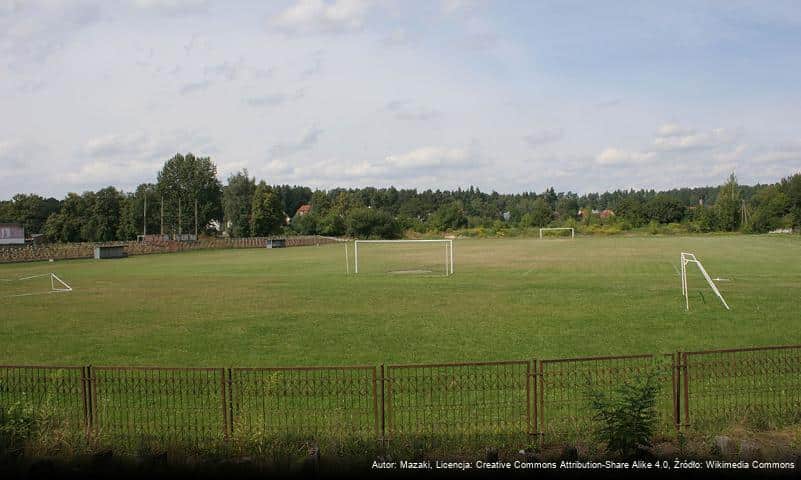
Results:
x,y
57,285
447,243
687,258
572,231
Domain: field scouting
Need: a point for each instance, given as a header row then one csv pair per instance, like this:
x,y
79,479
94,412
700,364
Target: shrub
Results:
x,y
627,417
17,425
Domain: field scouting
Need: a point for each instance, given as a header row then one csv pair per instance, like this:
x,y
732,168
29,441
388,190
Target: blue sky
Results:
x,y
504,95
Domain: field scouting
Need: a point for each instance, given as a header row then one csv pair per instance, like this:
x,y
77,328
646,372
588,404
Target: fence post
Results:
x,y
531,426
86,393
686,378
383,408
376,410
675,360
224,403
230,385
541,409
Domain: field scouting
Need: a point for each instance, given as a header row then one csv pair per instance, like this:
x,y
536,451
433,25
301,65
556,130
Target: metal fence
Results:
x,y
305,401
760,386
565,386
58,393
490,398
548,399
177,405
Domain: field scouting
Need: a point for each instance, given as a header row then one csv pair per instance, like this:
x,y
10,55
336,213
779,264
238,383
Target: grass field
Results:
x,y
508,299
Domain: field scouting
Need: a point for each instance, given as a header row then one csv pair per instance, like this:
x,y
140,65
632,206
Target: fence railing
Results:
x,y
548,399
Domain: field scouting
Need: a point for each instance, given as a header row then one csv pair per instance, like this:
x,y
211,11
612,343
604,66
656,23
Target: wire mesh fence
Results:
x,y
276,402
448,400
565,388
759,387
56,393
705,391
165,405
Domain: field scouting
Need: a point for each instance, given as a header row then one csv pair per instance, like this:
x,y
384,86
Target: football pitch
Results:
x,y
508,299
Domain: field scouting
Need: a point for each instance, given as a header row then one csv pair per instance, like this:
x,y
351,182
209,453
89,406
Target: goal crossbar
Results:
x,y
572,230
687,258
448,251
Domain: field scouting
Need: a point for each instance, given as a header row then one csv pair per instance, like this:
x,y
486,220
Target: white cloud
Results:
x,y
121,147
429,157
672,137
616,156
319,16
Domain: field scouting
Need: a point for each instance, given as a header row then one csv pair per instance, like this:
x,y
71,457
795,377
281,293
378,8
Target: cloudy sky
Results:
x,y
503,95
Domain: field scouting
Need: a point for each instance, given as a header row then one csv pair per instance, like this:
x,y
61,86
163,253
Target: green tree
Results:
x,y
308,224
727,206
266,215
448,217
792,188
541,213
237,203
567,207
632,210
183,180
133,213
67,225
771,207
104,217
31,211
664,208
366,222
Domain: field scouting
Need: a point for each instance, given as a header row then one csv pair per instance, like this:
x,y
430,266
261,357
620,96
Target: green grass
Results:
x,y
508,299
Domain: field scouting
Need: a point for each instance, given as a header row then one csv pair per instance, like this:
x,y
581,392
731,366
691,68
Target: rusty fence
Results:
x,y
546,399
457,400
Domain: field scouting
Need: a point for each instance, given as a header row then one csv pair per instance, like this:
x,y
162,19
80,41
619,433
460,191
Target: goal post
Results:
x,y
571,229
686,259
403,256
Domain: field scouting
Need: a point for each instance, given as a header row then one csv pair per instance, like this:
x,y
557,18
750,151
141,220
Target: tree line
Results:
x,y
187,191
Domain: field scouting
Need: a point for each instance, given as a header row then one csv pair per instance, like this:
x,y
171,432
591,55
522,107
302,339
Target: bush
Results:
x,y
627,417
17,425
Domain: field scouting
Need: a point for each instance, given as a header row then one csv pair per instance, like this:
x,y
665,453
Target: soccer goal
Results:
x,y
40,284
559,231
426,257
687,258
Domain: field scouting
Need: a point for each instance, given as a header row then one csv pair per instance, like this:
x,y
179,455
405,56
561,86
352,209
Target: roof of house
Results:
x,y
304,209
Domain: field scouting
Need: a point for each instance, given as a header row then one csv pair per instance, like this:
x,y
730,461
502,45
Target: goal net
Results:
x,y
567,232
403,257
39,284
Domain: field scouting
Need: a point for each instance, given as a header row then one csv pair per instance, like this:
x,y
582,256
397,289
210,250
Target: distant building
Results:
x,y
303,210
606,213
12,234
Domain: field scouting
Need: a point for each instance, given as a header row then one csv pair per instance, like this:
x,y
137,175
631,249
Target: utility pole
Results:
x,y
162,216
144,218
195,218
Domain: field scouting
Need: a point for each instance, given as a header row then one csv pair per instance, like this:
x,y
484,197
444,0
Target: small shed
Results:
x,y
110,251
276,243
